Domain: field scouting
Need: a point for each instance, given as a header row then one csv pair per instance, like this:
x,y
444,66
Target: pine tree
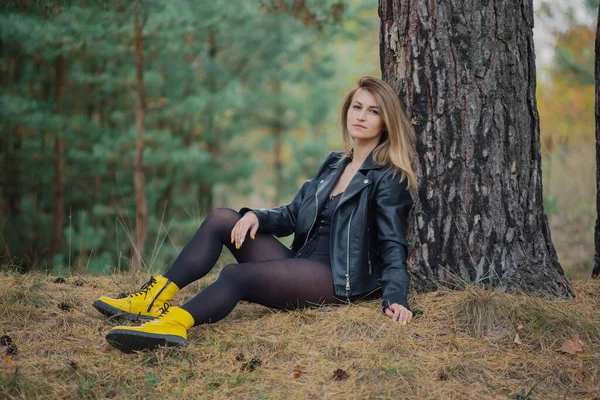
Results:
x,y
466,74
596,268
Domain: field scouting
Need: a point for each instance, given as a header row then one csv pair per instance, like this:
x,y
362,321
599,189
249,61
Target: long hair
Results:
x,y
397,141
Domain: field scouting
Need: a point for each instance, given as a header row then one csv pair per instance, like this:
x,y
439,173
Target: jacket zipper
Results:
x,y
312,225
348,256
369,250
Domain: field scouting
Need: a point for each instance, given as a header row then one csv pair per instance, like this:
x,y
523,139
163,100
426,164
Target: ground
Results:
x,y
468,344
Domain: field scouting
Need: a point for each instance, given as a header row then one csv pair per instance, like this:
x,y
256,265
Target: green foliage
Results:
x,y
219,77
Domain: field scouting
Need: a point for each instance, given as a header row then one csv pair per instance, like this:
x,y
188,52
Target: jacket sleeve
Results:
x,y
279,221
393,203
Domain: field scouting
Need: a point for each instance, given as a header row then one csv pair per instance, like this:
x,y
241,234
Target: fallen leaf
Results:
x,y
340,375
517,339
520,327
297,372
8,360
572,347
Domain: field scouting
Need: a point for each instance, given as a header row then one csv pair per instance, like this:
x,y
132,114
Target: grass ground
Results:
x,y
471,344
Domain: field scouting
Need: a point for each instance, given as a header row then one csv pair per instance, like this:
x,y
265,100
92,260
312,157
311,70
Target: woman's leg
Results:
x,y
283,284
202,252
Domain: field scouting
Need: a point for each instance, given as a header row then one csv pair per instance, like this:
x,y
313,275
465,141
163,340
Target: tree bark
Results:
x,y
596,268
58,184
141,215
465,71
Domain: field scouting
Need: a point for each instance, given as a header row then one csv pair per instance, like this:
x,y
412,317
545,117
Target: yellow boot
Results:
x,y
170,329
146,304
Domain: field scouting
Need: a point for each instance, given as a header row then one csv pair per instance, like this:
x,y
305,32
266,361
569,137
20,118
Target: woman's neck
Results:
x,y
362,150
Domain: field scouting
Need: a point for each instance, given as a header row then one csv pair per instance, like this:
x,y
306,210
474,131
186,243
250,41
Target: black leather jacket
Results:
x,y
368,242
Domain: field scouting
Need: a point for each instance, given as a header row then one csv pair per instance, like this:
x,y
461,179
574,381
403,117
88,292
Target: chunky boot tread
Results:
x,y
111,311
129,341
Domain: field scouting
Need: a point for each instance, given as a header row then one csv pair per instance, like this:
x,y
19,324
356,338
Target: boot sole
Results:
x,y
114,312
130,341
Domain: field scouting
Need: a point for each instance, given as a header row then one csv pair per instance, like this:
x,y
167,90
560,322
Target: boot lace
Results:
x,y
164,309
145,288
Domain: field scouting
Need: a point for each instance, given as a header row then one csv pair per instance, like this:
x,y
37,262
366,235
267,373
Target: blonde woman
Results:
x,y
348,222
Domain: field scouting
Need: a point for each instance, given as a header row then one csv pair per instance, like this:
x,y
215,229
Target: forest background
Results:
x,y
240,105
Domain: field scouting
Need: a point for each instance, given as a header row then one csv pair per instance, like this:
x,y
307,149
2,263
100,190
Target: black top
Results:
x,y
318,246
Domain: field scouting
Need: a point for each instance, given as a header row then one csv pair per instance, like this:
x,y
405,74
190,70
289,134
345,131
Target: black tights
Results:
x,y
267,272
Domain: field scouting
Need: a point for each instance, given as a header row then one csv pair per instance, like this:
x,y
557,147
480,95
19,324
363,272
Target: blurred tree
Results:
x,y
596,268
74,145
141,208
566,100
466,75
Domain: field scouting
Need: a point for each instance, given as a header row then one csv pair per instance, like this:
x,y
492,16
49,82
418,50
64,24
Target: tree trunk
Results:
x,y
141,215
10,195
205,197
58,184
466,73
596,269
206,189
278,145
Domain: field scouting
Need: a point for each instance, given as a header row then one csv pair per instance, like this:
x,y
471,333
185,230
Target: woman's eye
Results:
x,y
356,107
374,112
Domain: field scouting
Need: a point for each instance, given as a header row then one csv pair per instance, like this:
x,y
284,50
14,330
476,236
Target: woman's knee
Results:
x,y
223,215
231,272
222,219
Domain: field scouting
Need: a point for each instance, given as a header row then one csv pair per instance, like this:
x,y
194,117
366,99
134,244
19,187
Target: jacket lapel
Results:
x,y
360,180
327,183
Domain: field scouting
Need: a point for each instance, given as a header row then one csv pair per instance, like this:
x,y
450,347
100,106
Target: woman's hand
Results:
x,y
248,222
399,313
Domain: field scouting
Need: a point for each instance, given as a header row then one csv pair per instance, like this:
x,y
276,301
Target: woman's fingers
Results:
x,y
253,231
399,314
389,312
249,222
235,234
238,233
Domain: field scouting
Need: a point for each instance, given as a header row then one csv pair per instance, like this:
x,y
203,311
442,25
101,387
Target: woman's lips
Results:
x,y
359,126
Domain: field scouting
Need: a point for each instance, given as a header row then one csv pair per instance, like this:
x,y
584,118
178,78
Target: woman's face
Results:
x,y
364,120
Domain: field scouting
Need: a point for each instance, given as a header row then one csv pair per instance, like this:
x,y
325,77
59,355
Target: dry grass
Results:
x,y
463,346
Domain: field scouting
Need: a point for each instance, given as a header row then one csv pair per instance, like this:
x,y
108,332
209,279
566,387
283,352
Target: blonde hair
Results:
x,y
397,142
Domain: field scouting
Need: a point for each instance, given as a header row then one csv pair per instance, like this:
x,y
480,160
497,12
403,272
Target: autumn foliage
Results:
x,y
566,100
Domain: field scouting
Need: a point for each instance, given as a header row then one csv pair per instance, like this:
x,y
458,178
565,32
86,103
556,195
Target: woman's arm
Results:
x,y
279,221
393,203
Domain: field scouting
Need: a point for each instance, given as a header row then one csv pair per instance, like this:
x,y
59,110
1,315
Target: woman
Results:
x,y
349,237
